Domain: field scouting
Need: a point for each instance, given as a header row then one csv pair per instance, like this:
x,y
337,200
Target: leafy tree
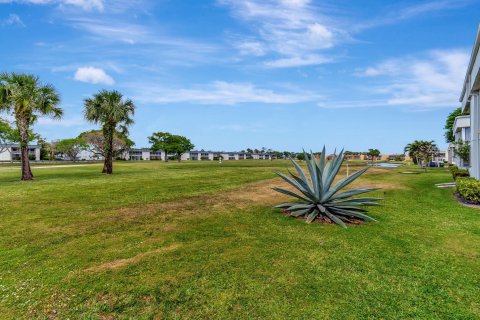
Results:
x,y
462,149
51,149
26,98
7,135
374,153
170,143
249,150
114,113
300,156
96,142
71,147
449,134
421,151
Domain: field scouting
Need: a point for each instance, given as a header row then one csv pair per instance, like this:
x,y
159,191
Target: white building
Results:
x,y
194,155
470,105
461,132
11,152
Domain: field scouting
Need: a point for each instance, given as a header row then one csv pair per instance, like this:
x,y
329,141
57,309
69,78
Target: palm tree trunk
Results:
x,y
26,171
108,163
22,125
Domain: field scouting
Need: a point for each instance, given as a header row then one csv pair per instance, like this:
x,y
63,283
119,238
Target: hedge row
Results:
x,y
457,172
468,189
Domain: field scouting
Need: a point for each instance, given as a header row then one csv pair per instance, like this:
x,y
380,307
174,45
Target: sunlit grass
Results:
x,y
202,241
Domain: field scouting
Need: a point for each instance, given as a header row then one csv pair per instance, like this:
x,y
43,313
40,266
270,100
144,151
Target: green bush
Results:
x,y
457,172
468,189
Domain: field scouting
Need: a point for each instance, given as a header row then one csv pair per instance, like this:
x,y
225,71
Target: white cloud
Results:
x,y
220,93
248,47
291,30
84,4
93,75
427,81
12,19
396,15
308,60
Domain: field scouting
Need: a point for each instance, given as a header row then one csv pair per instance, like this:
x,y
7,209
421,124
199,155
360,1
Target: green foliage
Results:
x,y
373,152
127,247
26,98
300,156
7,133
71,147
468,189
114,113
317,195
449,136
462,149
457,172
421,151
170,143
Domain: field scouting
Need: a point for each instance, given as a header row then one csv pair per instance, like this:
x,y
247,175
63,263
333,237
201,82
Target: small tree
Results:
x,y
51,148
7,135
373,153
170,143
71,147
462,149
421,151
95,142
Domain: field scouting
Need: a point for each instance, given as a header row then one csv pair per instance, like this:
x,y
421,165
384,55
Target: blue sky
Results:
x,y
232,74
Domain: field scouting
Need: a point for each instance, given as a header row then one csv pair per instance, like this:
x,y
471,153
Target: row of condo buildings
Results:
x,y
466,128
12,153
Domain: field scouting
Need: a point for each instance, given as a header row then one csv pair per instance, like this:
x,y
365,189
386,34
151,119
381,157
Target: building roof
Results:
x,y
18,145
466,82
461,122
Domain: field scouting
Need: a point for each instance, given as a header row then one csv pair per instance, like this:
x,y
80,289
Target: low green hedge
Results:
x,y
457,172
468,189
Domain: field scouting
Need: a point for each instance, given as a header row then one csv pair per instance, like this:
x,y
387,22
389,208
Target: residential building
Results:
x,y
461,132
141,154
470,104
11,152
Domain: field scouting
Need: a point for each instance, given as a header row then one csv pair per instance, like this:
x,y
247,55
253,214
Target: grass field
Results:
x,y
202,241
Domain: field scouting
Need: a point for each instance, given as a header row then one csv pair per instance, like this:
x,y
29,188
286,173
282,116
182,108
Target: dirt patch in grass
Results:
x,y
119,263
259,193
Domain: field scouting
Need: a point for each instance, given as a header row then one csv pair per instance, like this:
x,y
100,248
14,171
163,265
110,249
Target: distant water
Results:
x,y
385,165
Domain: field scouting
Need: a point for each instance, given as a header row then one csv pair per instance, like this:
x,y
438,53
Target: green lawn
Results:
x,y
202,241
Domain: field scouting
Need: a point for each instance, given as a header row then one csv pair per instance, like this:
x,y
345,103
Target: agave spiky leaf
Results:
x,y
319,197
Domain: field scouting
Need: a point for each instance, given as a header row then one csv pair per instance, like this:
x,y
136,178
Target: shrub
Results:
x,y
468,189
320,197
457,172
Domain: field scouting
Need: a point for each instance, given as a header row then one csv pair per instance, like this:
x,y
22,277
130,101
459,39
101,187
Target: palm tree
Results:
x,y
421,151
114,113
26,98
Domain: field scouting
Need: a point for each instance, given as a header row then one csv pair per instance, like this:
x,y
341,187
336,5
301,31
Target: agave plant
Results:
x,y
319,197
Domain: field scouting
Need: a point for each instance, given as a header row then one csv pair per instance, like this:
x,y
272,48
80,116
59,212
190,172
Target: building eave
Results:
x,y
471,63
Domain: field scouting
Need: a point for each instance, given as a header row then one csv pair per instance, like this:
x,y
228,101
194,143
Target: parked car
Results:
x,y
434,164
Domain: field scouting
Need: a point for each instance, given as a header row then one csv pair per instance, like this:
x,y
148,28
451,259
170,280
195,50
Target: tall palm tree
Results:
x,y
114,113
26,98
